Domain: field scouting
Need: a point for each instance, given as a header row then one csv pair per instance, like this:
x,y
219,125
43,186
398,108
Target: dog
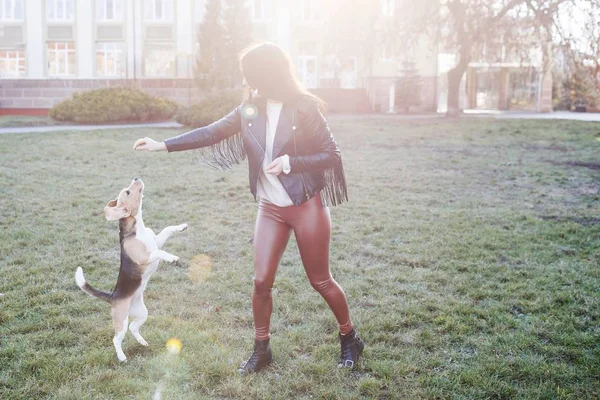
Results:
x,y
140,254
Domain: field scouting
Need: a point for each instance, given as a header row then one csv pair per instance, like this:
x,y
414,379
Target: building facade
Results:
x,y
50,49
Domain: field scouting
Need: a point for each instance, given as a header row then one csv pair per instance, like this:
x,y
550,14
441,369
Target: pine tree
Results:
x,y
408,87
238,35
211,62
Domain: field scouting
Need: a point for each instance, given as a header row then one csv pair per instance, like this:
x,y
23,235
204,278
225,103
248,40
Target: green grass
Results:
x,y
468,252
18,121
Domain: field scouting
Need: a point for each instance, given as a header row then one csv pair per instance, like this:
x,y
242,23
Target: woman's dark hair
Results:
x,y
268,68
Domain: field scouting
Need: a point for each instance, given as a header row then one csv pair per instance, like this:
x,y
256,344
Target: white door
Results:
x,y
348,74
308,71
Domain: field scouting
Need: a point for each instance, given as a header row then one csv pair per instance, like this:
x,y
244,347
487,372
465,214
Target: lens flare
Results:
x,y
199,269
249,111
173,346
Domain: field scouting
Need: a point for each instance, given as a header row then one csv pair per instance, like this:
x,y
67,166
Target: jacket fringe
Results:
x,y
222,155
335,189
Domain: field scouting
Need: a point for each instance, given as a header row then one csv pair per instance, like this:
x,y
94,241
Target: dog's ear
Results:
x,y
113,213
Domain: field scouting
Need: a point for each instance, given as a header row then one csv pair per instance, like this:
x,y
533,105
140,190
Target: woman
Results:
x,y
295,169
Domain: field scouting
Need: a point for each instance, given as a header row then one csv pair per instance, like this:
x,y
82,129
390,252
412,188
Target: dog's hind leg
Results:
x,y
120,317
139,312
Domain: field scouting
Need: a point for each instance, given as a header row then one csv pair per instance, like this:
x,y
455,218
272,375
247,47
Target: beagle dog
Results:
x,y
140,255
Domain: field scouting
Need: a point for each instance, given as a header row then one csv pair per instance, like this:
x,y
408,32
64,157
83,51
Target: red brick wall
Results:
x,y
45,93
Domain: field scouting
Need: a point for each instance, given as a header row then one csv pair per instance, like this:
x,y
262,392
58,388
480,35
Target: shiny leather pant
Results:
x,y
311,224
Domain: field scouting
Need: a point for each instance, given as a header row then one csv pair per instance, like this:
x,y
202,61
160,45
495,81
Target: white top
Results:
x,y
269,187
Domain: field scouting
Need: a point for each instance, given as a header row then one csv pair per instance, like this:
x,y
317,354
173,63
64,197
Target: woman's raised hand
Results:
x,y
147,144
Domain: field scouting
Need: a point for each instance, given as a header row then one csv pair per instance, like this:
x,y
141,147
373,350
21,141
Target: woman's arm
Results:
x,y
197,138
208,135
328,155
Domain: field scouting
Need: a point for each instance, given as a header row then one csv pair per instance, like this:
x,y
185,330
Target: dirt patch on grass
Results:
x,y
584,221
591,165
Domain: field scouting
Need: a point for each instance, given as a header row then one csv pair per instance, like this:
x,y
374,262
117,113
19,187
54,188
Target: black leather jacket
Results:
x,y
302,133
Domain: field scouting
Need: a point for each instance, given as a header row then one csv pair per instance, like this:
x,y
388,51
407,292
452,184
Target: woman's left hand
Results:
x,y
276,167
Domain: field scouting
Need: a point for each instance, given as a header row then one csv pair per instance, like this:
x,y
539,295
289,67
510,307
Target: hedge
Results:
x,y
212,108
113,105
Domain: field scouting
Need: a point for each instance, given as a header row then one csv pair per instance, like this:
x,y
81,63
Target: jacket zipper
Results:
x,y
301,174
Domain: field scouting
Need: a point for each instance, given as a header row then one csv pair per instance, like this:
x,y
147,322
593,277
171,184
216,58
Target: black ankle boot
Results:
x,y
351,348
260,358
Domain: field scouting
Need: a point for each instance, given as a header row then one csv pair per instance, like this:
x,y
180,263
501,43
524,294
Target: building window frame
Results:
x,y
16,58
11,5
66,50
387,51
261,10
66,6
310,11
165,47
166,7
115,52
118,10
388,8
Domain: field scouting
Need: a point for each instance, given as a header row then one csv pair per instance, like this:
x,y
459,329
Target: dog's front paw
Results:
x,y
182,227
171,258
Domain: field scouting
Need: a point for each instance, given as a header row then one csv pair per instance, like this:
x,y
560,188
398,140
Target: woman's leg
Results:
x,y
312,226
271,236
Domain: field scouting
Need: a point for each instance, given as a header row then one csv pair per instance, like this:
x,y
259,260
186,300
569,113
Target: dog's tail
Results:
x,y
89,289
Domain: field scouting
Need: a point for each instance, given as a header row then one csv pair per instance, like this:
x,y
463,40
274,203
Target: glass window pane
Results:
x,y
267,8
258,10
169,9
68,9
100,10
110,11
60,9
118,6
19,13
50,4
159,9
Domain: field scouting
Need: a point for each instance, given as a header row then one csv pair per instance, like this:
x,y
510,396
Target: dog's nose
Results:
x,y
135,179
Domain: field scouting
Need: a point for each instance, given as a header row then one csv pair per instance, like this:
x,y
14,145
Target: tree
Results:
x,y
479,29
237,29
408,87
210,60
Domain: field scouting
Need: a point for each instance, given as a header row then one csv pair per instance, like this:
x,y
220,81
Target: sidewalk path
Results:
x,y
62,128
573,116
592,117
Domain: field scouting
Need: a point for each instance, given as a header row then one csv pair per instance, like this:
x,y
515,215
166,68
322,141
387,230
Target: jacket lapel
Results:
x,y
285,128
258,125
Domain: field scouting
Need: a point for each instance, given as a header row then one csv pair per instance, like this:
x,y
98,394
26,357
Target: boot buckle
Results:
x,y
349,364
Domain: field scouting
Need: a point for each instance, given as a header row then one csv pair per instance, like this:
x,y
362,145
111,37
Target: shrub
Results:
x,y
210,109
113,105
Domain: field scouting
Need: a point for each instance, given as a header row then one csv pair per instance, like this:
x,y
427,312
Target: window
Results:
x,y
310,10
59,10
199,10
261,10
387,51
159,60
61,59
109,10
11,10
158,10
388,7
12,63
110,59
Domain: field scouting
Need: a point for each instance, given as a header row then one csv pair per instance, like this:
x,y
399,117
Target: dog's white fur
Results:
x,y
142,253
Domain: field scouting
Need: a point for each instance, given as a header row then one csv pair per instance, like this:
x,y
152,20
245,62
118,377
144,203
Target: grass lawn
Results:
x,y
17,121
469,253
